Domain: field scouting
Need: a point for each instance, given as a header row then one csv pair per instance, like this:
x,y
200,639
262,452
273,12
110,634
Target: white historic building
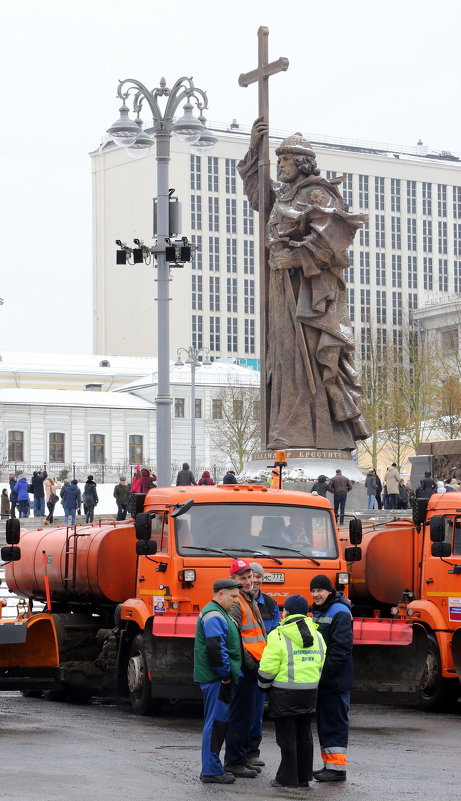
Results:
x,y
107,432
408,254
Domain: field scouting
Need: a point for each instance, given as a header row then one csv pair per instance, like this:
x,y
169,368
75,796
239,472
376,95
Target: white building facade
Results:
x,y
408,253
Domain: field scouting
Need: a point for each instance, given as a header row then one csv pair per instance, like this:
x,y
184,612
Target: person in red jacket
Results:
x,y
206,479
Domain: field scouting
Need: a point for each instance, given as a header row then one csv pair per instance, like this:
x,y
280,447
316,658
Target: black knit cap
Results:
x,y
296,605
321,582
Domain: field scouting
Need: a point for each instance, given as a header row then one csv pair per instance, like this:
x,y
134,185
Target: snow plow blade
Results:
x,y
29,656
379,668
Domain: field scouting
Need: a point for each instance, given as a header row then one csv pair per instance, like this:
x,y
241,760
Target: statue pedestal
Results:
x,y
304,466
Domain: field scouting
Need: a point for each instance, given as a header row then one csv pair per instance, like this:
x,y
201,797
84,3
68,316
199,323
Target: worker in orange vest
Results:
x,y
249,622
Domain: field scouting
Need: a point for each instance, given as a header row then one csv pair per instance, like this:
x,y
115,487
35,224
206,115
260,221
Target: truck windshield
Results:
x,y
251,527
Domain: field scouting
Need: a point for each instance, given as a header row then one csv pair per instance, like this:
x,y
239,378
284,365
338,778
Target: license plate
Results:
x,y
274,578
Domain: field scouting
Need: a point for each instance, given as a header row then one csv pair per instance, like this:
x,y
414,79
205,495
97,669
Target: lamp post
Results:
x,y
129,133
193,355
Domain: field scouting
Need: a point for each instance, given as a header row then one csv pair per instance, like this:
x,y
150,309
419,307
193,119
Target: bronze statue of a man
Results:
x,y
314,397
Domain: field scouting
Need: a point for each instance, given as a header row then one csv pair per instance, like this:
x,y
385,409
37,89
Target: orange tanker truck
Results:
x,y
410,570
123,598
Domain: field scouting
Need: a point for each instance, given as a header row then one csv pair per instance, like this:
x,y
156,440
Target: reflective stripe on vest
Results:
x,y
253,639
291,684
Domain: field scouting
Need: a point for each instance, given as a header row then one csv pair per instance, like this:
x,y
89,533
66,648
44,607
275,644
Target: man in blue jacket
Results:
x,y
217,661
71,500
332,613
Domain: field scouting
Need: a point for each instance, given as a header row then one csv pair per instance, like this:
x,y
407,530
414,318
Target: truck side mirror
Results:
x,y
353,554
137,503
146,547
10,553
355,531
12,531
143,526
419,510
437,528
441,549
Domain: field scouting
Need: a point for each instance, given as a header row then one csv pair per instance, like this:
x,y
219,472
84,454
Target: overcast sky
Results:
x,y
382,71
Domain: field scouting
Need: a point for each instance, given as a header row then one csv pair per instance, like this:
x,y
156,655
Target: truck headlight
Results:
x,y
342,578
187,575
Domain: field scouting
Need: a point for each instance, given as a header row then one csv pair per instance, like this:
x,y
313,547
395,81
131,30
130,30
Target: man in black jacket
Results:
x,y
38,492
331,611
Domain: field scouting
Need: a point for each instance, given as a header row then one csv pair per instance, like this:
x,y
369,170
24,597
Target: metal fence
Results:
x,y
102,473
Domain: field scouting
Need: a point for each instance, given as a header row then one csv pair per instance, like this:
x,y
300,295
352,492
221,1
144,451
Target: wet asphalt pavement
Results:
x,y
59,752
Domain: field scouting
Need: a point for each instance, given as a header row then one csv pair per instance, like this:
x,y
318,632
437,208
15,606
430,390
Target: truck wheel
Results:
x,y
436,694
139,685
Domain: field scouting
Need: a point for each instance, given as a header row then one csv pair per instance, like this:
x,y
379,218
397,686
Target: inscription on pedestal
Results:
x,y
302,454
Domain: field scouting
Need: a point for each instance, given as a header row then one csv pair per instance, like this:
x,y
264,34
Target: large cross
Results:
x,y
261,76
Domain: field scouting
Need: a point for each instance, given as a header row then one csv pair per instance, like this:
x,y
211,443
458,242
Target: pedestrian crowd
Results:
x,y
300,660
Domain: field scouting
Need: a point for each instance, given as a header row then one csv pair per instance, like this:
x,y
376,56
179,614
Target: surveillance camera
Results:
x,y
138,242
118,242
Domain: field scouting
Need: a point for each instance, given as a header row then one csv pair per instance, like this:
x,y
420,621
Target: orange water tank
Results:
x,y
100,561
387,565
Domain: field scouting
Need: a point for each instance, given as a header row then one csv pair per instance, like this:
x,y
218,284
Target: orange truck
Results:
x,y
410,570
123,598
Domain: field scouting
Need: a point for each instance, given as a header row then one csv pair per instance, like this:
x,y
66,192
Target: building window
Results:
x,y
427,198
381,269
347,189
196,240
249,336
249,296
364,267
349,271
381,306
216,409
330,175
443,275
213,185
457,272
97,448
196,212
395,194
215,334
363,191
427,272
197,331
457,239
441,200
213,253
365,305
443,236
427,236
248,219
214,293
411,197
397,338
411,233
412,301
248,257
379,194
231,246
179,407
197,293
364,235
412,272
380,231
198,408
230,176
351,302
56,450
396,308
396,270
396,239
457,201
195,176
232,334
232,295
135,446
15,446
213,213
231,215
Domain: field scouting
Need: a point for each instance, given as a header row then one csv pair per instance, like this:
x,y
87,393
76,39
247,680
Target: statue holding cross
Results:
x,y
310,393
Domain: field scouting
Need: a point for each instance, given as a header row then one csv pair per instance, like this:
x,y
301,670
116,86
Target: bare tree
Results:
x,y
234,427
449,408
373,379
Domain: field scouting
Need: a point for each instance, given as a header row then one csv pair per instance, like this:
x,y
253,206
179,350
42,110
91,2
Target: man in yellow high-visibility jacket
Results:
x,y
290,670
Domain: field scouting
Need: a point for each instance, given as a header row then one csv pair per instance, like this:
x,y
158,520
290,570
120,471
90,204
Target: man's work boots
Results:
x,y
327,775
220,778
256,760
252,766
240,771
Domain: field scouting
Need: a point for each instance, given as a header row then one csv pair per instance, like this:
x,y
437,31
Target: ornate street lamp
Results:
x,y
129,133
192,357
